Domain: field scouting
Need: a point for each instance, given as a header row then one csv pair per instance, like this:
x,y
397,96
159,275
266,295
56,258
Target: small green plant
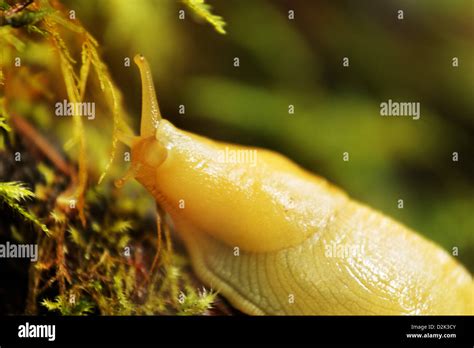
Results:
x,y
12,194
71,307
203,11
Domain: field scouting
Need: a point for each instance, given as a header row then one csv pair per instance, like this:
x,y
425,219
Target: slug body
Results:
x,y
275,239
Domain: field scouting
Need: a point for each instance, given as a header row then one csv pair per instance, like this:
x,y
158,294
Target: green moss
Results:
x,y
100,253
12,194
203,11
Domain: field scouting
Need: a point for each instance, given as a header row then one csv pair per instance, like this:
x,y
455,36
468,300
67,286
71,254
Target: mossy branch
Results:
x,y
71,307
203,11
12,194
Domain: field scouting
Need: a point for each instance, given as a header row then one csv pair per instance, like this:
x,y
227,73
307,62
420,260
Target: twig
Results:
x,y
32,135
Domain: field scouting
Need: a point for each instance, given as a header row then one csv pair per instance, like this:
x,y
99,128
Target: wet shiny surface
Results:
x,y
304,246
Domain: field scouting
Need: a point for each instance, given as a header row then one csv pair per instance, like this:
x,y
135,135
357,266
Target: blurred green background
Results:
x,y
337,109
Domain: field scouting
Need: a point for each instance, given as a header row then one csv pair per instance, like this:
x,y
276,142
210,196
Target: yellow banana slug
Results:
x,y
275,239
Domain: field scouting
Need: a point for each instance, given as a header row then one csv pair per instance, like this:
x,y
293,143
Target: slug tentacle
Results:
x,y
130,173
150,110
127,139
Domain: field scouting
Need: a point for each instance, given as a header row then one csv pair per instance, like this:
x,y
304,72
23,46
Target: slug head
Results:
x,y
147,151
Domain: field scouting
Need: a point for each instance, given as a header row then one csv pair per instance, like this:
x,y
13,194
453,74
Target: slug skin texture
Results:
x,y
284,220
275,239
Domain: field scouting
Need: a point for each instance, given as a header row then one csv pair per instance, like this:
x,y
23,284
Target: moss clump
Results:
x,y
99,250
